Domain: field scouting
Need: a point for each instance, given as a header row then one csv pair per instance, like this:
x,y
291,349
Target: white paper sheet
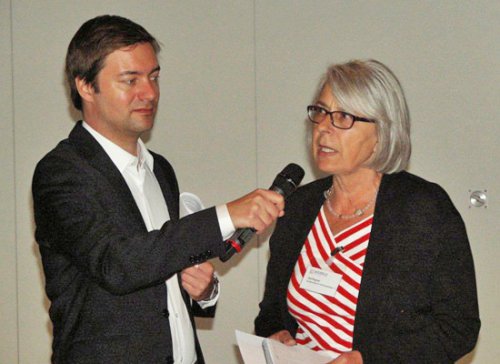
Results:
x,y
252,350
189,203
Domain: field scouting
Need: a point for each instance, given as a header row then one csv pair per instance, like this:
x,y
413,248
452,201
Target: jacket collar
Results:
x,y
94,154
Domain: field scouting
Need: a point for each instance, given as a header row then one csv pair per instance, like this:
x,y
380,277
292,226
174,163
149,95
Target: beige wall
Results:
x,y
8,241
236,77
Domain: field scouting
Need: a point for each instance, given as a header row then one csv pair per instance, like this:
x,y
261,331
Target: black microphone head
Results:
x,y
293,172
288,179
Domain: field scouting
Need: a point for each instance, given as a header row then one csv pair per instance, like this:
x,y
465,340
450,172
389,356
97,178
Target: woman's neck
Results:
x,y
363,182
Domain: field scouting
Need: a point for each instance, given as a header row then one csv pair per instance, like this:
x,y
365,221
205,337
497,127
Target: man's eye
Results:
x,y
130,82
155,78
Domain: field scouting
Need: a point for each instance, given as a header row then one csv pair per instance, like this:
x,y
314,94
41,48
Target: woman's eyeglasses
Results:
x,y
339,119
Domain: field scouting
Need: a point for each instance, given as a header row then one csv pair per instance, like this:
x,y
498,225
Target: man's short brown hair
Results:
x,y
93,42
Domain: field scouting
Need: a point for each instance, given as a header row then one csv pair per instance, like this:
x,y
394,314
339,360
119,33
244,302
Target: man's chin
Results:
x,y
144,124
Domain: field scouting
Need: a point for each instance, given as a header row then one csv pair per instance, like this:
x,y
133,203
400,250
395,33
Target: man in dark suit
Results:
x,y
124,274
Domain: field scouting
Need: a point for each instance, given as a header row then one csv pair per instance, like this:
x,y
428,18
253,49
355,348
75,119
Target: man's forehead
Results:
x,y
136,58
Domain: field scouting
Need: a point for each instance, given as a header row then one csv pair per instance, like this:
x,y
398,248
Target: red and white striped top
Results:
x,y
326,323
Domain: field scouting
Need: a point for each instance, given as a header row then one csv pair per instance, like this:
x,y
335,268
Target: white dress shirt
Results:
x,y
138,174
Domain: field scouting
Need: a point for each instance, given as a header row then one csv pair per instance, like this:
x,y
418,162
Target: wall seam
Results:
x,y
257,179
13,111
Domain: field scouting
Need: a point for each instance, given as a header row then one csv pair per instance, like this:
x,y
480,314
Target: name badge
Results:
x,y
321,281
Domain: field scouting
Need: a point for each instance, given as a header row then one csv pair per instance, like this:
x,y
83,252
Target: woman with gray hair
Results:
x,y
371,264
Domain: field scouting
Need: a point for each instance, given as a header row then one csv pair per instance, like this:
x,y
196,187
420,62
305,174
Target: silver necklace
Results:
x,y
357,212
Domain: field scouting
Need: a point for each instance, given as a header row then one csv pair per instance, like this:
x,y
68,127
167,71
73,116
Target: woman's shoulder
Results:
x,y
315,187
406,181
412,190
306,200
311,191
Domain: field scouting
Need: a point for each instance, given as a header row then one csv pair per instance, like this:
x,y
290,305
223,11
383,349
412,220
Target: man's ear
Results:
x,y
85,89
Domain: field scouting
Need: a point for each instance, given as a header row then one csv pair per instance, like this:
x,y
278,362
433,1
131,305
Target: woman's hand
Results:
x,y
284,337
351,357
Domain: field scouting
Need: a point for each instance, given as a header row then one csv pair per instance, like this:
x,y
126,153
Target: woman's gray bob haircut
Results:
x,y
369,89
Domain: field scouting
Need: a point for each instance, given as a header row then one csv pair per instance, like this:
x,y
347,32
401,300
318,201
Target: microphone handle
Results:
x,y
236,242
242,236
285,184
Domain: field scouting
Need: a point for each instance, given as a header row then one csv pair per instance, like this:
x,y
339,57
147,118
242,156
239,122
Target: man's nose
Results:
x,y
149,90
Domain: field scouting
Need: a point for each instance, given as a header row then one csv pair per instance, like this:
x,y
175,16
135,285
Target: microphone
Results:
x,y
285,183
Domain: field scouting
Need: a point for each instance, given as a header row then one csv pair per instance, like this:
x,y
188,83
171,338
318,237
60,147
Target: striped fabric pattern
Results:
x,y
326,323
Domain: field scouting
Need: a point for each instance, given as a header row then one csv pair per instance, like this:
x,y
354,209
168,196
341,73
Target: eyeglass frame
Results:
x,y
330,114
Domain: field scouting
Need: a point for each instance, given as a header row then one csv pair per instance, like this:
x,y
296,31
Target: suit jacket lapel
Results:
x,y
163,180
95,155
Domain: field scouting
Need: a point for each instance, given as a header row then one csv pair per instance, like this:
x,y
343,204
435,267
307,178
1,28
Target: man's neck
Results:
x,y
126,142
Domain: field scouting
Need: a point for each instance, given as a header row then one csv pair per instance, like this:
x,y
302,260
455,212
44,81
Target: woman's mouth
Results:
x,y
325,149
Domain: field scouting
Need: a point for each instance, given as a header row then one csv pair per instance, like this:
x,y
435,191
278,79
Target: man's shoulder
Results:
x,y
62,152
65,148
68,157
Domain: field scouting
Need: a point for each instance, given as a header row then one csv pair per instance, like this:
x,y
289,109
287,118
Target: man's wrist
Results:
x,y
212,298
215,289
226,225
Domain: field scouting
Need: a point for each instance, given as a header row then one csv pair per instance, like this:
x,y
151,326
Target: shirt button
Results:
x,y
165,313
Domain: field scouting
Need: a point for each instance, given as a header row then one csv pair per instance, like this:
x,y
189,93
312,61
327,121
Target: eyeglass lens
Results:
x,y
338,118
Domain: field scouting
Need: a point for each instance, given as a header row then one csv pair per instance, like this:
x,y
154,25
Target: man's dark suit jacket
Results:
x,y
105,274
417,301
